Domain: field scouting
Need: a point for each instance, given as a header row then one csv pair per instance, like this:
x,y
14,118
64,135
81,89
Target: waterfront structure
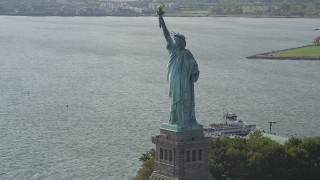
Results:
x,y
181,149
316,41
238,128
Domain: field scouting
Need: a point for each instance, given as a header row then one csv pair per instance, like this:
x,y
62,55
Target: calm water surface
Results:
x,y
80,97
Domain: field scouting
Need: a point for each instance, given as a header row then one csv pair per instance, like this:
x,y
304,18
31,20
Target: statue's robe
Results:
x,y
182,73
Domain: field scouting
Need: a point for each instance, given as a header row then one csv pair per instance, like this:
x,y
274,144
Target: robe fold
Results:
x,y
182,73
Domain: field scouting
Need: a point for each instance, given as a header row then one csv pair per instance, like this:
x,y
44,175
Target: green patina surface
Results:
x,y
183,72
176,128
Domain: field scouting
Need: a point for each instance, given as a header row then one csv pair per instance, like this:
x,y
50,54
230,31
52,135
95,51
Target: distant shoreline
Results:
x,y
167,15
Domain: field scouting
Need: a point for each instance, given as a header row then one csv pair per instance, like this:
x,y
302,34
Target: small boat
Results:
x,y
237,128
230,115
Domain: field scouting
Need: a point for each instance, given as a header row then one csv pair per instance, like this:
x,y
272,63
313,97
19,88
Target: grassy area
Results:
x,y
311,52
308,51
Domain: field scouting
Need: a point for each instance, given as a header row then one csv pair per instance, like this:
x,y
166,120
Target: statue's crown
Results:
x,y
180,36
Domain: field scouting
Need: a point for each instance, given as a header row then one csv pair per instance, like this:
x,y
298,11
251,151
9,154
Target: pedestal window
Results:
x,y
161,153
200,154
187,156
194,155
165,154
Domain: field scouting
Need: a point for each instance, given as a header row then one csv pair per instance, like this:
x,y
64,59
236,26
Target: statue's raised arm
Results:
x,y
162,24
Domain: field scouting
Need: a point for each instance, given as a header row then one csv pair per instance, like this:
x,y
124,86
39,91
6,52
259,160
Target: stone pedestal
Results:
x,y
181,156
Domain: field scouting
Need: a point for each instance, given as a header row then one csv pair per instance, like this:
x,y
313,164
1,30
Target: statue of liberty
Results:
x,y
182,73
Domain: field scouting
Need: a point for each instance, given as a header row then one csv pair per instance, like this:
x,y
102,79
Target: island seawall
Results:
x,y
271,55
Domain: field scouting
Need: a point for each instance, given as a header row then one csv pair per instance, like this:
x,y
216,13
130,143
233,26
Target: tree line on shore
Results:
x,y
281,8
256,157
297,8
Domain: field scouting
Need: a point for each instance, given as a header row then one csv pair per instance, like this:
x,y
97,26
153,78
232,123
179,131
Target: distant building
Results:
x,y
124,11
279,139
316,41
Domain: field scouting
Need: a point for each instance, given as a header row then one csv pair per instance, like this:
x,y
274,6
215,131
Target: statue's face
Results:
x,y
180,43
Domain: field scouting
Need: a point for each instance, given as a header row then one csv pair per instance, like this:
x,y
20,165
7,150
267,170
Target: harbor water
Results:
x,y
80,97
